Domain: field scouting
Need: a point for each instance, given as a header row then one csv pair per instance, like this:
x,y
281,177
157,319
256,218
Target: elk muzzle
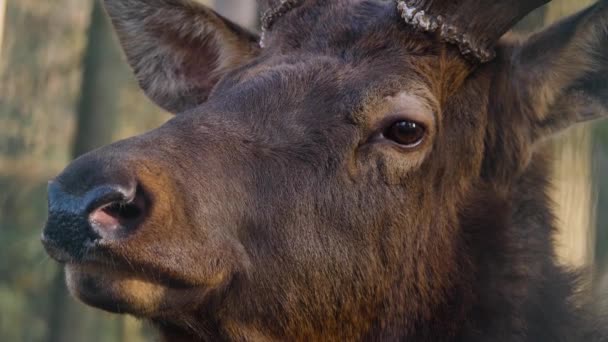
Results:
x,y
88,203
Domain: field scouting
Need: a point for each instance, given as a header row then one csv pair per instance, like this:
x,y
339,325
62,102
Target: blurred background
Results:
x,y
65,89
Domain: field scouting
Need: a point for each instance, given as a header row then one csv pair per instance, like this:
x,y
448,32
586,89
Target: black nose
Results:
x,y
79,219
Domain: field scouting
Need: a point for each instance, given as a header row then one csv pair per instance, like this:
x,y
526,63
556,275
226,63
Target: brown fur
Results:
x,y
274,212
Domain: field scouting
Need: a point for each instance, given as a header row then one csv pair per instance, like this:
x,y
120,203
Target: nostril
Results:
x,y
124,211
119,215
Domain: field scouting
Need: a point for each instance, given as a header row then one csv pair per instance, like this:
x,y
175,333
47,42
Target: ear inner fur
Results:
x,y
178,49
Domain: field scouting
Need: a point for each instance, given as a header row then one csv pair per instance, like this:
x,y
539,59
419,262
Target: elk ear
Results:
x,y
178,49
561,74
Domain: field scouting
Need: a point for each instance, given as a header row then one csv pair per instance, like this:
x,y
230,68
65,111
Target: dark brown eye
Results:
x,y
406,133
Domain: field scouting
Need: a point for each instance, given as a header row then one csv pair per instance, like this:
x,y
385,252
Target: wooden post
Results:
x,y
574,197
573,190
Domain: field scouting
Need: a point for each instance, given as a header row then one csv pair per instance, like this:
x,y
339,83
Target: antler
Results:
x,y
264,5
271,13
473,25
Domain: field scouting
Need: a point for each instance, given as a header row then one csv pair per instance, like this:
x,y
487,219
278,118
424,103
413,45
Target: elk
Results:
x,y
364,170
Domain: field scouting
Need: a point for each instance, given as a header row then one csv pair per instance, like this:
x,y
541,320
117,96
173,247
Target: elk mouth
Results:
x,y
119,290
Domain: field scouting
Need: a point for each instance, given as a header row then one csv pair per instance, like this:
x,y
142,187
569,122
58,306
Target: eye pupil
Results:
x,y
407,133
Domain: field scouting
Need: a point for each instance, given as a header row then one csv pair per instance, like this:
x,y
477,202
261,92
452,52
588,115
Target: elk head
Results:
x,y
317,186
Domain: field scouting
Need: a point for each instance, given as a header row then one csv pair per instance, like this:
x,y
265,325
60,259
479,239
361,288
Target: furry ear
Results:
x,y
179,49
560,75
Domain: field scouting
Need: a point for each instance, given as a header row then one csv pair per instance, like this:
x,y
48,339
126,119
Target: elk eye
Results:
x,y
406,133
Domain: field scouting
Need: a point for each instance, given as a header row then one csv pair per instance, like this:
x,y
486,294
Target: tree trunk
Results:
x,y
242,12
41,49
101,87
2,13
